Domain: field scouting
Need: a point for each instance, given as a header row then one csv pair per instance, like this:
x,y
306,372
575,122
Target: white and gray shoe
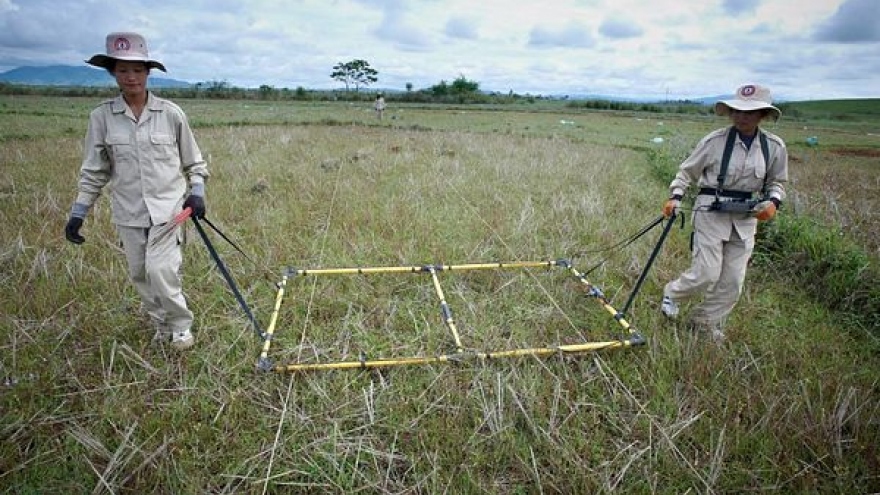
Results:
x,y
669,308
182,340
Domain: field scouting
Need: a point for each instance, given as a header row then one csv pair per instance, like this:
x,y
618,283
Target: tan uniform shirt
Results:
x,y
746,171
147,162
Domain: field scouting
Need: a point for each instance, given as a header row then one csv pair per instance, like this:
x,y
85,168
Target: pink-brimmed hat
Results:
x,y
125,46
749,97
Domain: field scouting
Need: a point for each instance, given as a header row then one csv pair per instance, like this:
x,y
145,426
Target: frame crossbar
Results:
x,y
461,353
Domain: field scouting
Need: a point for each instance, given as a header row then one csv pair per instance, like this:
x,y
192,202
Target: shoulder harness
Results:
x,y
728,150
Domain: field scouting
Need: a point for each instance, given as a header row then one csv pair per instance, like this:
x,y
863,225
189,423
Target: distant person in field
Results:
x,y
731,200
143,148
379,105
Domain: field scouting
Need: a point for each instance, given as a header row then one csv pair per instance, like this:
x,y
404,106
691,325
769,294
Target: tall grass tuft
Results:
x,y
832,268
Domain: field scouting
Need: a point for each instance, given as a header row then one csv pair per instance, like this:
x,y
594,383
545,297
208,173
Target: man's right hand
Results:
x,y
765,210
671,206
197,203
71,230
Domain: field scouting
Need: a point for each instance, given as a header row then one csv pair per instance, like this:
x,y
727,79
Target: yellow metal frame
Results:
x,y
461,354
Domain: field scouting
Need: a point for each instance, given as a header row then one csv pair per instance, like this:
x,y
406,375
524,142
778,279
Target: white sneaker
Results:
x,y
182,340
668,307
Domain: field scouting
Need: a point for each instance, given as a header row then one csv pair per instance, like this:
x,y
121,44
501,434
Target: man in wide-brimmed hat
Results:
x,y
143,148
741,172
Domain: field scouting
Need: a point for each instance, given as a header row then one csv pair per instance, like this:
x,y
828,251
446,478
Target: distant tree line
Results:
x,y
358,73
442,92
682,106
460,91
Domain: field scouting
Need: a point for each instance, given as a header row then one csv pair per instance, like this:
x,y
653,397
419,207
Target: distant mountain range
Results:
x,y
68,75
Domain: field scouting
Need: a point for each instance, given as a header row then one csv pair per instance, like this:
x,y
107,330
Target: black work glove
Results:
x,y
71,230
197,203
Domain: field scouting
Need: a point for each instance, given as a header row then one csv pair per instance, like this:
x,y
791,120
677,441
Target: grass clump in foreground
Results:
x,y
90,404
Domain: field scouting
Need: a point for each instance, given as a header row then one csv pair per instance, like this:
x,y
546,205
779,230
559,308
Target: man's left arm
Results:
x,y
193,166
777,173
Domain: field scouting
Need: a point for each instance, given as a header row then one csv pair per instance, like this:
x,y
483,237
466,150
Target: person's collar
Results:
x,y
153,102
747,139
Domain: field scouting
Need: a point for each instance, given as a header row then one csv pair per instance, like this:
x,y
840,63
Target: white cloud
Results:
x,y
461,27
403,32
656,48
7,6
620,28
740,7
572,35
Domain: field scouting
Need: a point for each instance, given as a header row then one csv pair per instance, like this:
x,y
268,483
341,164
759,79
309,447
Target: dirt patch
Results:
x,y
861,152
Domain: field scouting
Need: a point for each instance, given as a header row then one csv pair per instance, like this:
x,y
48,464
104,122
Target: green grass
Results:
x,y
865,109
90,404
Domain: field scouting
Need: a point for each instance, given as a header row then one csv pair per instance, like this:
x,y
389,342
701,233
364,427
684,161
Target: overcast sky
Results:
x,y
801,49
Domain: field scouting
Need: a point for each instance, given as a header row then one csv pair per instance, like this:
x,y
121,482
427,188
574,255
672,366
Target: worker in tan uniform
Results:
x,y
143,148
379,105
740,174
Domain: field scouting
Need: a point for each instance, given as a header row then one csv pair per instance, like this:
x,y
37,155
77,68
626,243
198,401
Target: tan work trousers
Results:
x,y
154,270
718,269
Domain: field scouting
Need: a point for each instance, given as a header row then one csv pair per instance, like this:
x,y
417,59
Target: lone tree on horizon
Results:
x,y
356,72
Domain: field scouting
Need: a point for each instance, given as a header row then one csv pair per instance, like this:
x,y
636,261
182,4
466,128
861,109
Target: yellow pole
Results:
x,y
423,268
267,342
457,357
444,308
359,271
603,301
485,266
565,349
376,363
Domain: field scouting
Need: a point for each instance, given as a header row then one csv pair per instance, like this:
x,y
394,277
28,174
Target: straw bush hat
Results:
x,y
749,97
125,46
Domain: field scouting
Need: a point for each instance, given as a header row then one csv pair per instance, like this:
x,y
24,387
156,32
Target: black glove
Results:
x,y
71,230
197,203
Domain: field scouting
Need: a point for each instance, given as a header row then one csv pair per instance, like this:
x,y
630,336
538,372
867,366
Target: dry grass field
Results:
x,y
90,404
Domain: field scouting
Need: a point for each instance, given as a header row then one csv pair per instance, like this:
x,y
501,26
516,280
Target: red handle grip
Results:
x,y
182,216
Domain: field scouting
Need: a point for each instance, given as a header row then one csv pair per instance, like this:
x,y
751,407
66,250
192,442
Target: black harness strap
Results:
x,y
765,150
725,159
728,151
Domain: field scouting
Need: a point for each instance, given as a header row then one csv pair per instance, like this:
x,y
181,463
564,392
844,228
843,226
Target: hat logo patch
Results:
x,y
748,90
121,44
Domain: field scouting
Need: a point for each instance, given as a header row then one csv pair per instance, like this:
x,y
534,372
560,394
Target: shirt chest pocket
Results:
x,y
163,148
760,167
753,168
120,148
